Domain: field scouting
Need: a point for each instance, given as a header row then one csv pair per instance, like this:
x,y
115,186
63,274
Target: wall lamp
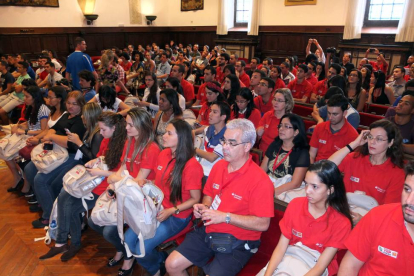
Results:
x,y
90,18
150,18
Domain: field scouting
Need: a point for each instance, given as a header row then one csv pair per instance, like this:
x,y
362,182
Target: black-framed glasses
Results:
x,y
230,143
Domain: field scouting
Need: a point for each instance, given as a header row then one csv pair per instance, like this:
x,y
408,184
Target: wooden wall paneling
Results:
x,y
5,44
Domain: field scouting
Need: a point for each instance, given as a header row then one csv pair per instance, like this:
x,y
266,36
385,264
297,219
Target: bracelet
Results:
x,y
349,147
26,131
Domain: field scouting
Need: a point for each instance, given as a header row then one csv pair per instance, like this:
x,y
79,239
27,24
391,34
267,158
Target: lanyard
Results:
x,y
276,165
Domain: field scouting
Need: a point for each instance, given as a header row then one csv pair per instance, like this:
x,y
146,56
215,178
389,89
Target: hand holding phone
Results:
x,y
67,130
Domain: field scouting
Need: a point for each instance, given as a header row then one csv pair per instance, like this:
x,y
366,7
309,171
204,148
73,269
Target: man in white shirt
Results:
x,y
398,84
52,77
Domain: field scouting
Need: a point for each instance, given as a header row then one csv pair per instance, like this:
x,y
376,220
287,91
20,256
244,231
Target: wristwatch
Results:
x,y
177,211
228,218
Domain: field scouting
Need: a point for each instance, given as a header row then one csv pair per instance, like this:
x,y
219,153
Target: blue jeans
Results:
x,y
152,259
47,186
110,233
68,220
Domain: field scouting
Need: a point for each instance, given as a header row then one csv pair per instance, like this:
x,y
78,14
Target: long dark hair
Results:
x,y
366,84
395,152
172,98
300,141
246,94
358,85
108,93
175,83
142,122
152,97
331,176
322,75
60,93
31,112
380,77
117,141
234,88
183,153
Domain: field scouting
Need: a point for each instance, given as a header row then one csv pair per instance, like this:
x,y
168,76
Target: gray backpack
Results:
x,y
48,160
138,207
361,203
11,144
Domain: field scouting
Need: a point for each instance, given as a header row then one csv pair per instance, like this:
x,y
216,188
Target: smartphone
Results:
x,y
67,130
47,146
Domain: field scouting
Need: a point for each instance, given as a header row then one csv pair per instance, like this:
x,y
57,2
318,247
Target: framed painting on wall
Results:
x,y
192,5
32,3
299,2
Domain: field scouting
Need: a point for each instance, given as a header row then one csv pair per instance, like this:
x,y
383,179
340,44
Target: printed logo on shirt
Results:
x,y
354,179
266,126
128,160
319,245
216,186
296,233
388,252
236,196
336,147
380,190
159,168
322,141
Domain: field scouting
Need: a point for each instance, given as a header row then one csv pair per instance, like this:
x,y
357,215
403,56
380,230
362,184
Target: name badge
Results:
x,y
322,141
216,203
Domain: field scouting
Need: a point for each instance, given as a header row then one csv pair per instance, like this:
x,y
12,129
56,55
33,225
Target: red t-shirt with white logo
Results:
x,y
382,242
300,89
270,123
327,142
247,192
329,230
383,182
320,88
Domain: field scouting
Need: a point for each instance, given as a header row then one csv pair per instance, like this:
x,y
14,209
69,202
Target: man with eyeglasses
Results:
x,y
333,135
320,88
223,60
263,102
382,242
236,207
301,89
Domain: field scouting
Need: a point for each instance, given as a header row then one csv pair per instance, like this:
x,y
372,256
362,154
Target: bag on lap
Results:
x,y
48,160
138,207
297,261
105,211
10,146
291,194
361,203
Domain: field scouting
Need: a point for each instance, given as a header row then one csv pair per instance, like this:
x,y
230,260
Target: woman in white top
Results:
x,y
174,83
151,94
36,116
107,99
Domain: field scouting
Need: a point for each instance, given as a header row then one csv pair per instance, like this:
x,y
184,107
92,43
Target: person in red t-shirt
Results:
x,y
244,78
267,131
320,221
244,107
381,63
275,76
320,88
263,102
139,157
301,89
178,71
222,60
382,242
178,175
209,75
214,94
112,128
125,64
237,206
310,75
376,167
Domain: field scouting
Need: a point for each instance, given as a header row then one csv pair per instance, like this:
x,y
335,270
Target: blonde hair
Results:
x,y
90,113
80,100
107,58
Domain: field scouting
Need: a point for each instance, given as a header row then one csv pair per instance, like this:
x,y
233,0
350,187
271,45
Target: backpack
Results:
x,y
297,261
138,207
189,117
361,203
78,182
129,101
48,160
51,230
291,194
10,146
105,211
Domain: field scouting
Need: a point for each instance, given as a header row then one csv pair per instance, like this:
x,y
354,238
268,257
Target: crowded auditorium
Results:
x,y
207,137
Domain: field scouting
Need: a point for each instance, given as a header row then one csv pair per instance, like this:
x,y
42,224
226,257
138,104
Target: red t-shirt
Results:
x,y
382,242
247,192
270,123
219,74
245,79
312,80
126,66
104,184
254,117
383,182
300,90
263,107
43,75
191,180
329,230
188,90
279,83
383,66
294,71
320,87
204,114
328,143
148,159
201,94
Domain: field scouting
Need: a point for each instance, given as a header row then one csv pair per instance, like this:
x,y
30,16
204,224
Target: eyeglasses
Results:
x,y
377,139
284,126
230,143
277,100
263,84
353,75
241,102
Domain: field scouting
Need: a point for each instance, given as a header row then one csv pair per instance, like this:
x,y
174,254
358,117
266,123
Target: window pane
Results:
x,y
242,10
386,12
386,9
376,2
375,13
397,12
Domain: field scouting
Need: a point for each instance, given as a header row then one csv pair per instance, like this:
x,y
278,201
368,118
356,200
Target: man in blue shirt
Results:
x,y
78,61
